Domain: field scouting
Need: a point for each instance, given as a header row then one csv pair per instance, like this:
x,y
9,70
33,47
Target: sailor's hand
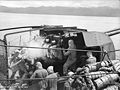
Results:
x,y
63,51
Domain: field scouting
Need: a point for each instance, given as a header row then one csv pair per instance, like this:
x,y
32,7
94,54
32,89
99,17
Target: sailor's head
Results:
x,y
71,42
89,53
38,64
50,69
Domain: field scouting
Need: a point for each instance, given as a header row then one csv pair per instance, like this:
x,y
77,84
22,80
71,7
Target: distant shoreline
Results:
x,y
81,11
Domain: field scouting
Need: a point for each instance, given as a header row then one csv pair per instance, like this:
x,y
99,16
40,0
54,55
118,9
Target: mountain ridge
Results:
x,y
92,11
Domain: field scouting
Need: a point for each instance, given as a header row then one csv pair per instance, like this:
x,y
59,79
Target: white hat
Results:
x,y
17,51
53,41
39,64
70,73
50,69
47,40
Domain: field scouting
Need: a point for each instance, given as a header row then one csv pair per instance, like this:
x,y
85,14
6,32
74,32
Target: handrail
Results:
x,y
53,48
28,79
112,30
6,29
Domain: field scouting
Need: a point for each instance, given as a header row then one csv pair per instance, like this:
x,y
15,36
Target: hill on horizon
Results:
x,y
98,11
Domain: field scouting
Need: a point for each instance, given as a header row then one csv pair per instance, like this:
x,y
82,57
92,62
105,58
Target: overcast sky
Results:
x,y
63,3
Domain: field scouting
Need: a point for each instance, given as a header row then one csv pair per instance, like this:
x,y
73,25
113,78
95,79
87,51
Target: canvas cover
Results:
x,y
95,39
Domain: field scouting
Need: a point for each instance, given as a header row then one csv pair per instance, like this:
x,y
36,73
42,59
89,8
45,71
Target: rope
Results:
x,y
60,49
112,30
52,48
7,29
63,77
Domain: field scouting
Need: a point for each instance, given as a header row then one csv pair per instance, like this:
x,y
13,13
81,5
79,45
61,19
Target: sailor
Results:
x,y
51,79
71,56
40,73
68,83
17,64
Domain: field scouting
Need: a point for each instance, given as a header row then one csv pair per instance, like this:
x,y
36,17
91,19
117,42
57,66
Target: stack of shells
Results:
x,y
103,75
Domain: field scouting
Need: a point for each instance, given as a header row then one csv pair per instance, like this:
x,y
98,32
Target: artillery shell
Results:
x,y
98,74
115,61
93,67
105,80
113,87
117,67
98,83
104,63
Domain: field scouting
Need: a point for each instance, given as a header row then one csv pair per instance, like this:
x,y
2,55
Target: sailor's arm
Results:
x,y
67,53
34,74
